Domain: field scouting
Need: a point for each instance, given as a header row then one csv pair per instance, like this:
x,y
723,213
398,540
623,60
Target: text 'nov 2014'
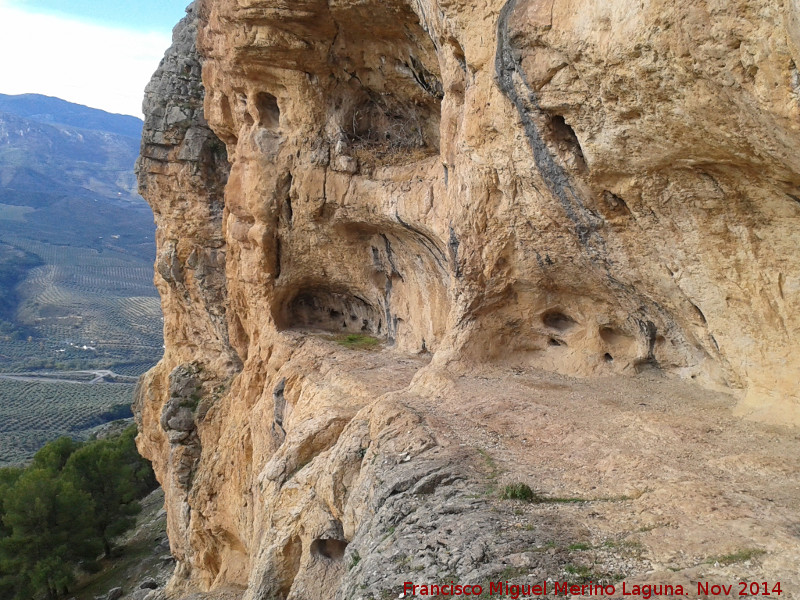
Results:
x,y
564,588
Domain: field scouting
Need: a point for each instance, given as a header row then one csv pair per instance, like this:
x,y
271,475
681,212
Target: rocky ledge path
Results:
x,y
646,480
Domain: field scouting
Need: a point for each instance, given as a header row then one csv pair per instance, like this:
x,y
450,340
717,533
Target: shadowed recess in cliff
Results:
x,y
320,308
331,549
386,102
391,282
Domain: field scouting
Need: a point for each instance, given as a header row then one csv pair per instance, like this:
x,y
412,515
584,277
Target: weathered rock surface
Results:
x,y
182,172
506,194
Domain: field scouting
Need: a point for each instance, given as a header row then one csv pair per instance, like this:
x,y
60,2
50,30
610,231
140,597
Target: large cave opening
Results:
x,y
335,311
388,282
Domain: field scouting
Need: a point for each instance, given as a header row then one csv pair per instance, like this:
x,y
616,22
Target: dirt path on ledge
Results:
x,y
677,490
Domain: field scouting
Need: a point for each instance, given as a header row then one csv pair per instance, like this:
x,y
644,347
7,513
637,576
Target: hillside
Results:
x,y
49,110
45,157
463,292
76,255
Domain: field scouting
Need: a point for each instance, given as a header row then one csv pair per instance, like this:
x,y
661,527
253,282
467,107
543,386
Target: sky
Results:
x,y
100,53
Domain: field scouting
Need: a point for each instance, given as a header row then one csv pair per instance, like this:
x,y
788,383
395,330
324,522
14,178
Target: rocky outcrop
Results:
x,y
182,172
605,190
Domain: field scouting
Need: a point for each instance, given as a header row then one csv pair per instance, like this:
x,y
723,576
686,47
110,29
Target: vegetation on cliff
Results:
x,y
59,514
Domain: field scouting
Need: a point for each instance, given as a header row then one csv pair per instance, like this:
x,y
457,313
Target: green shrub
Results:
x,y
64,508
518,491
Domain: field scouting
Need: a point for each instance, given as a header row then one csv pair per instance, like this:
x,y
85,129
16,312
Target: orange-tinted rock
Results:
x,y
590,189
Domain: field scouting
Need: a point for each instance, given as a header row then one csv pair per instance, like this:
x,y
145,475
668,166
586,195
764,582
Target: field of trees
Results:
x,y
77,246
74,308
34,411
83,308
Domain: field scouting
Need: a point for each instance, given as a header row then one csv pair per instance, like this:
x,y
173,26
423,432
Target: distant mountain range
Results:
x,y
77,242
54,111
51,149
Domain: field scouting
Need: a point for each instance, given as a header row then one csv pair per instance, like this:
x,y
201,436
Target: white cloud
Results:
x,y
101,67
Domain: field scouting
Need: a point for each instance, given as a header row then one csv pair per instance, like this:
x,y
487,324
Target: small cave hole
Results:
x,y
227,114
700,314
607,357
615,204
557,320
328,548
269,114
555,342
288,210
611,335
566,139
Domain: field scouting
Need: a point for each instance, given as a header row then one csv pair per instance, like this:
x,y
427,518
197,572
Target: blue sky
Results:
x,y
100,53
139,15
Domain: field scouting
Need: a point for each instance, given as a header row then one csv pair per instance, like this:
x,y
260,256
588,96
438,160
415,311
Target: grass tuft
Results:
x,y
511,572
518,491
582,574
522,491
738,556
579,546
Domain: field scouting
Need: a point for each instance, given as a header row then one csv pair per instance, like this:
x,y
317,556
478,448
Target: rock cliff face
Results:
x,y
604,189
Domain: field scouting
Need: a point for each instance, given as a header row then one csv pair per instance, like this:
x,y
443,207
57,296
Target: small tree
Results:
x,y
143,477
8,477
54,455
62,509
101,470
50,523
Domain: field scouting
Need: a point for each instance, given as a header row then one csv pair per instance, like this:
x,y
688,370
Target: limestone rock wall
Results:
x,y
182,171
589,188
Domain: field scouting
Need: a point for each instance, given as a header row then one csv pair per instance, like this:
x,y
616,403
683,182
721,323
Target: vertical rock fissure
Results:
x,y
585,223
